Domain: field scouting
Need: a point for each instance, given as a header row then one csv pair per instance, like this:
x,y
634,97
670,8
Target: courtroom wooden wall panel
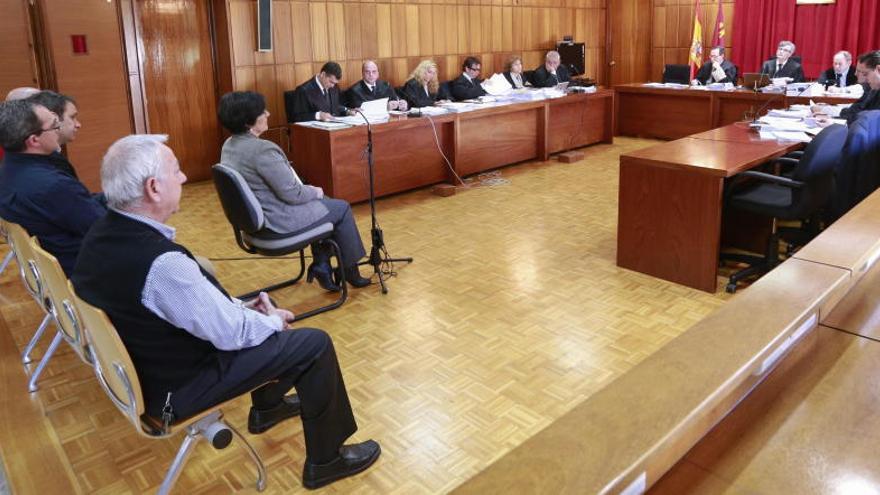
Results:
x,y
401,33
98,79
630,33
19,67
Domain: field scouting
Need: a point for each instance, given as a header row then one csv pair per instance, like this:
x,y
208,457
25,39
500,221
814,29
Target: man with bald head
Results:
x,y
37,188
842,73
372,88
21,93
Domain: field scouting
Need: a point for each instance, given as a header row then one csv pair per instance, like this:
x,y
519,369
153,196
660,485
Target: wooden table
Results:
x,y
407,156
669,203
675,113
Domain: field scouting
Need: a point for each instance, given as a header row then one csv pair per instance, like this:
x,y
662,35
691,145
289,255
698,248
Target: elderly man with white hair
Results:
x,y
551,73
194,346
842,73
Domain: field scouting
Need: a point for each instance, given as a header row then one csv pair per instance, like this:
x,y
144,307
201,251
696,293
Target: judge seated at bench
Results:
x,y
551,73
467,85
783,65
513,72
422,88
317,98
841,75
717,70
372,88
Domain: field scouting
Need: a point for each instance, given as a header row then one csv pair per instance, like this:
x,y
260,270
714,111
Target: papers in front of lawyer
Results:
x,y
376,111
497,85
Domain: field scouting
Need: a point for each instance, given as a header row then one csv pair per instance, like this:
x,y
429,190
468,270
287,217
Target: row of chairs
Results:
x,y
95,341
837,169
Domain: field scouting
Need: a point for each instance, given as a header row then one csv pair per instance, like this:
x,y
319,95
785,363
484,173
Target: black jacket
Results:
x,y
302,103
356,95
704,75
414,94
542,78
463,88
510,79
870,100
791,69
829,77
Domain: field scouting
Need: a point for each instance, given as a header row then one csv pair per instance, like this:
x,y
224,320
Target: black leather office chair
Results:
x,y
529,77
799,197
445,91
677,73
245,214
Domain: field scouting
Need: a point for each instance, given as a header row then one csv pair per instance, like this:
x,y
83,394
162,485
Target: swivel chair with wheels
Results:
x,y
799,197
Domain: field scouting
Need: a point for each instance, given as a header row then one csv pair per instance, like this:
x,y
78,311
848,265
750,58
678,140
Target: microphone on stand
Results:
x,y
754,124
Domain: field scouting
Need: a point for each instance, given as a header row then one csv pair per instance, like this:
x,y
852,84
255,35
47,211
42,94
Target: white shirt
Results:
x,y
323,93
176,291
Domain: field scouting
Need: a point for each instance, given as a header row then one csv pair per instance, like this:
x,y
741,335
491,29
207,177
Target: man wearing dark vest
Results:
x,y
783,65
318,98
193,346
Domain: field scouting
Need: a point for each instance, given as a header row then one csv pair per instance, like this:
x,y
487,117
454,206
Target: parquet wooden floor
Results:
x,y
513,312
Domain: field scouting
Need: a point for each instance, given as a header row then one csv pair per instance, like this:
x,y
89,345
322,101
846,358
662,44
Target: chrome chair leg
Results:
x,y
261,468
6,260
26,356
32,383
189,442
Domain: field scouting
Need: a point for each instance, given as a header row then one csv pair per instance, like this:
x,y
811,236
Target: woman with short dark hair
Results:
x,y
289,206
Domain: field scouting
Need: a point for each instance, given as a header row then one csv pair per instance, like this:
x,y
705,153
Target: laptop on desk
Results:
x,y
755,81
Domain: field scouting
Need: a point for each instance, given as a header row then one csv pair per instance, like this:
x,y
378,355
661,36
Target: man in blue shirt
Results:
x,y
38,188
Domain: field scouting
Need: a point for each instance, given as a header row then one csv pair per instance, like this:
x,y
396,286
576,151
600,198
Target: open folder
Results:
x,y
376,111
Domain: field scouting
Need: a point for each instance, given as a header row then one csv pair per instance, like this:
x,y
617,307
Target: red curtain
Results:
x,y
818,31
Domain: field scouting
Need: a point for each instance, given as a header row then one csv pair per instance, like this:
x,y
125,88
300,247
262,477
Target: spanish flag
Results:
x,y
695,59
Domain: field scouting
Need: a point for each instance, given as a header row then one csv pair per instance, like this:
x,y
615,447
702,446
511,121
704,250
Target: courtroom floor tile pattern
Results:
x,y
513,312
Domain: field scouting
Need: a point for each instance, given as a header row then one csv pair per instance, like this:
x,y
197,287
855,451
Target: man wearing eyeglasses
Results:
x,y
783,66
468,86
37,189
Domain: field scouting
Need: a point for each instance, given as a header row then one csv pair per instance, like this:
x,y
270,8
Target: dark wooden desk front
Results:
x,y
675,113
669,210
407,156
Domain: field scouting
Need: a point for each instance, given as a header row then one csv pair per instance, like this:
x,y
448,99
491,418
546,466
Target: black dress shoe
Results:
x,y
322,273
260,420
352,460
353,277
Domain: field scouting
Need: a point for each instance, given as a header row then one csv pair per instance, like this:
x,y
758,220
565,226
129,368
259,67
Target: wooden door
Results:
x,y
629,36
179,80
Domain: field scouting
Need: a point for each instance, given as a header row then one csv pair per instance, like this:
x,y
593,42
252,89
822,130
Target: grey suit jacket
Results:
x,y
288,204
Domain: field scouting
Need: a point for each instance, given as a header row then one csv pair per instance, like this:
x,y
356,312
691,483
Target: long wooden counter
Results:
x,y
666,113
407,156
805,429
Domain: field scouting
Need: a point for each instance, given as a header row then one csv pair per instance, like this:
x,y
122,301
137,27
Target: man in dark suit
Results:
x,y
718,70
782,65
841,74
467,85
551,73
372,88
318,98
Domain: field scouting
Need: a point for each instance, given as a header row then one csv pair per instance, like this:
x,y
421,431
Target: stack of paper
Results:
x,y
457,107
497,85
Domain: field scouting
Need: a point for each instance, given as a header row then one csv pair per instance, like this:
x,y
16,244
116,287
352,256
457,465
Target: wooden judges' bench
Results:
x,y
775,392
667,113
406,153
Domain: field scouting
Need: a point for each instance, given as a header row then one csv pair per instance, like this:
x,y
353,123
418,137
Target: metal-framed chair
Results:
x,y
117,375
21,243
245,214
58,301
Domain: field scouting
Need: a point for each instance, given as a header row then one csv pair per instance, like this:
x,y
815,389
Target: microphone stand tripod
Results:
x,y
378,254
